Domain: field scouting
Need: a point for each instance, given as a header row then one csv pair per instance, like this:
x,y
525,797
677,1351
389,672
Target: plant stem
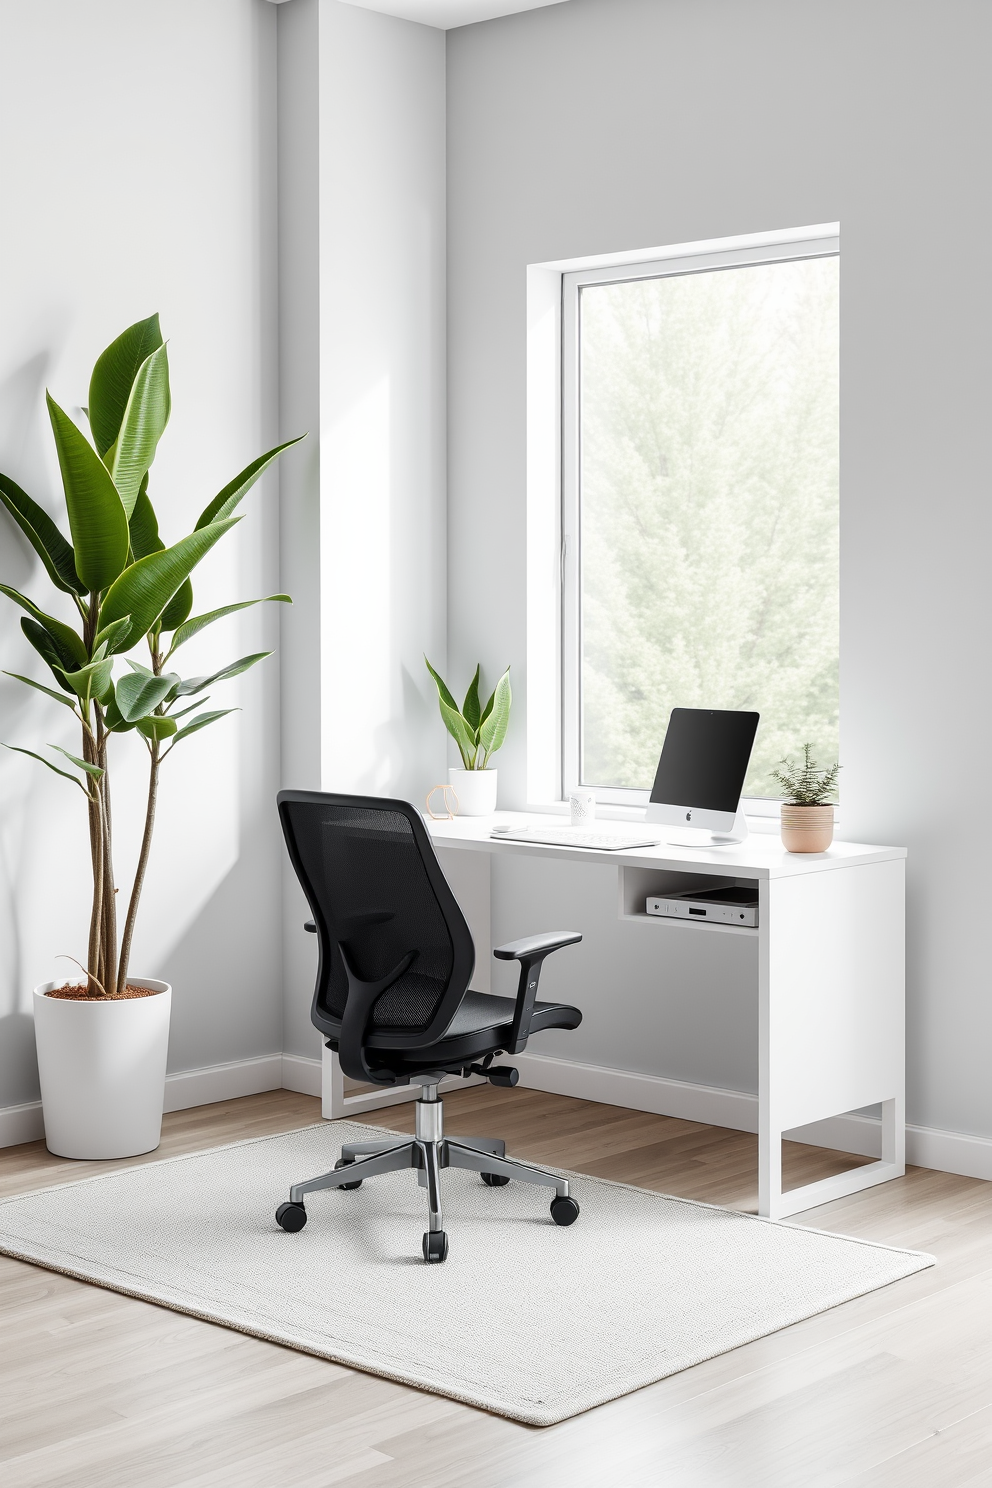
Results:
x,y
139,872
109,926
95,811
94,956
146,838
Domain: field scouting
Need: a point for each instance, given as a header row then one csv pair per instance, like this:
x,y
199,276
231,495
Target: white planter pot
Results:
x,y
102,1069
475,789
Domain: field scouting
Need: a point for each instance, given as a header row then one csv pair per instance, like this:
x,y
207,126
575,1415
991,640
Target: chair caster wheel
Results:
x,y
495,1180
292,1217
435,1246
346,1162
564,1211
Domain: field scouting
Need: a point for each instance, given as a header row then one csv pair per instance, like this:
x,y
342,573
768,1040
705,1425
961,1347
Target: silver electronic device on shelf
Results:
x,y
701,775
735,905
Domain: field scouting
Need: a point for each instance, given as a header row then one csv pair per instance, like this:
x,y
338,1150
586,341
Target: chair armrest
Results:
x,y
540,945
530,952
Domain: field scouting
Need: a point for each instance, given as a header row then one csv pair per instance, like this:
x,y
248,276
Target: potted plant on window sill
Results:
x,y
102,1043
478,731
807,811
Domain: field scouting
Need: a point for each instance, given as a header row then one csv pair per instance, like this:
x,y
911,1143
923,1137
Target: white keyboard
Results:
x,y
573,837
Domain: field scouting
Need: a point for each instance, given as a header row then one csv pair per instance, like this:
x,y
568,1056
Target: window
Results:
x,y
700,507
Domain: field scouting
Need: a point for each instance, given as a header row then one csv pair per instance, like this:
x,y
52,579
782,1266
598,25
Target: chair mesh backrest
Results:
x,y
365,877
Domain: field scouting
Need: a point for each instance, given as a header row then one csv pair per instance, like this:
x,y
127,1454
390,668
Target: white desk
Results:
x,y
831,976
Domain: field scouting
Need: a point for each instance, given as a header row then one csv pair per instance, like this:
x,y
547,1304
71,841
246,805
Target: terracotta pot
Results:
x,y
807,828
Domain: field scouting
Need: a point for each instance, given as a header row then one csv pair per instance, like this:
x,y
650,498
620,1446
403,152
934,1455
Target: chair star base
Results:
x,y
429,1151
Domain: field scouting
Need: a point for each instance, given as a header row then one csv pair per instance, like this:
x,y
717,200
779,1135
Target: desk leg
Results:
x,y
894,1133
831,1020
769,1165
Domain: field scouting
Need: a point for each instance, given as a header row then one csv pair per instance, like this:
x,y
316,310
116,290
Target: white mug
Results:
x,y
582,807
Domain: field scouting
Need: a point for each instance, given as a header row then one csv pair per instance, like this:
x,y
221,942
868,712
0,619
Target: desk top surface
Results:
x,y
761,856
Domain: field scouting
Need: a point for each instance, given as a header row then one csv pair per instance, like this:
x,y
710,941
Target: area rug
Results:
x,y
526,1319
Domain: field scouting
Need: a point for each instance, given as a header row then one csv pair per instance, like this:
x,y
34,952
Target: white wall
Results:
x,y
362,160
138,174
603,125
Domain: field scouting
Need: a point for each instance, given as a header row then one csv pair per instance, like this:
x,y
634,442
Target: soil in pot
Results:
x,y
78,992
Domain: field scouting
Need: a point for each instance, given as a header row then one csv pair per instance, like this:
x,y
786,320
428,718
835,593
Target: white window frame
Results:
x,y
687,259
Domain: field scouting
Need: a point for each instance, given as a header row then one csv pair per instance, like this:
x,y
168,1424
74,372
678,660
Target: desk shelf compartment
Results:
x,y
637,885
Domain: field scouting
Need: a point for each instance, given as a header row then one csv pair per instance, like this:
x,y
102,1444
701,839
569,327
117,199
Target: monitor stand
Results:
x,y
702,838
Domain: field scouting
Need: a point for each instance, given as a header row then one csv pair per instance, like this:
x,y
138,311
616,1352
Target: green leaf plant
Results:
x,y
129,589
806,784
477,731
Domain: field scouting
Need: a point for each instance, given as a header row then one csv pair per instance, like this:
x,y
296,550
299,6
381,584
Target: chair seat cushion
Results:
x,y
481,1011
481,1025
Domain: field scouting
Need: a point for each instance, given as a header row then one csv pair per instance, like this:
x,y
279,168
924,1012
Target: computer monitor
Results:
x,y
701,774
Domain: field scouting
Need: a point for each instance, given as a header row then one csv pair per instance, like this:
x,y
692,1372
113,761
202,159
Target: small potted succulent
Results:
x,y
807,811
478,731
102,1041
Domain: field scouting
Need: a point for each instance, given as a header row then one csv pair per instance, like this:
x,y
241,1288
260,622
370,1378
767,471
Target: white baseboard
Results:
x,y
188,1088
663,1097
302,1075
926,1147
219,1082
947,1152
21,1124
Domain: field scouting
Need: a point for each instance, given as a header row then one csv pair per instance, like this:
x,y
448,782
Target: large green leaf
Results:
x,y
91,681
460,732
97,518
138,695
200,622
178,607
94,770
155,726
43,535
197,684
144,589
64,634
113,717
144,422
144,525
472,708
113,377
201,720
48,648
190,708
49,691
493,731
225,501
442,691
113,638
64,773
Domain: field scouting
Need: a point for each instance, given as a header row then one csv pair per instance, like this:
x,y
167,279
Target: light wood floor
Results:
x,y
893,1390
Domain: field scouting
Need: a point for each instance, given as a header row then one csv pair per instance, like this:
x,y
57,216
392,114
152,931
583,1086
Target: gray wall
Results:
x,y
138,174
601,125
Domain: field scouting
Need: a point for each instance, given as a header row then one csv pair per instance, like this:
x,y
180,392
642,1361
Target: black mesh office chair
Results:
x,y
392,998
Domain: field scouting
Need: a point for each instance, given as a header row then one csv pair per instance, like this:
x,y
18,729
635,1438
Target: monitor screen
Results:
x,y
704,759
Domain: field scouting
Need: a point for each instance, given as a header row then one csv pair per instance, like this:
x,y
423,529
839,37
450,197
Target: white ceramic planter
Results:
x,y
475,789
102,1069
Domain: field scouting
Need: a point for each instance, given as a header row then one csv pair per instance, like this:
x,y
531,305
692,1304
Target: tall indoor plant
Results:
x,y
101,1076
